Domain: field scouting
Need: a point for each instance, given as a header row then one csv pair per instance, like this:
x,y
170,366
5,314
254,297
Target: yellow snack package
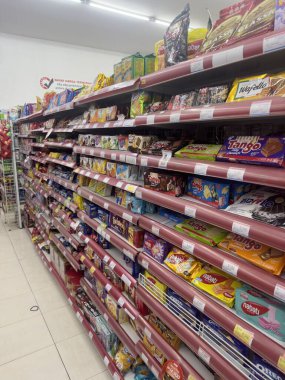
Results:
x,y
154,286
217,283
261,255
82,180
92,185
78,200
182,263
100,166
254,87
123,359
156,353
54,155
164,331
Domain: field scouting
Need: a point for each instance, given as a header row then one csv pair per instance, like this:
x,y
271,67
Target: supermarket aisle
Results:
x,y
49,342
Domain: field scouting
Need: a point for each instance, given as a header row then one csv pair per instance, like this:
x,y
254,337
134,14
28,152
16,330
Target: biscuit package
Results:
x,y
155,247
139,103
261,255
249,88
157,288
217,283
171,184
279,23
212,95
182,263
199,152
269,151
164,331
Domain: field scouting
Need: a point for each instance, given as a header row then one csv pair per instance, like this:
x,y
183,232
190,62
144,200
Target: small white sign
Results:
x,y
150,119
279,292
187,246
197,65
113,156
207,113
106,361
190,211
155,230
166,156
240,229
131,160
228,56
144,161
175,118
201,169
274,43
230,267
129,122
235,174
260,108
199,304
122,158
121,301
108,287
127,217
204,355
126,280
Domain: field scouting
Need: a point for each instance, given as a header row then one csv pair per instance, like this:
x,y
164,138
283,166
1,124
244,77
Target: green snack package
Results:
x,y
149,64
132,67
204,232
199,152
139,103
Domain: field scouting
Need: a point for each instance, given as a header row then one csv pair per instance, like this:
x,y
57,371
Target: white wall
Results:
x,y
24,61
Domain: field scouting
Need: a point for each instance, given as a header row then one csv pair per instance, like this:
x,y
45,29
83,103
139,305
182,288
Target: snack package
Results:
x,y
116,311
135,236
171,184
182,263
149,64
103,216
99,166
159,55
123,359
134,204
266,313
261,255
212,95
123,142
106,335
139,103
139,144
269,151
265,368
277,83
195,39
103,189
217,283
213,192
155,352
164,331
204,232
225,26
154,286
118,75
237,189
121,197
199,152
279,22
176,38
158,147
155,247
132,67
266,205
109,142
119,225
111,169
182,101
132,267
254,87
127,172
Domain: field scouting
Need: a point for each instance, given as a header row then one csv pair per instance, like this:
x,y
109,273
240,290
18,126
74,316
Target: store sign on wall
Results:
x,y
48,84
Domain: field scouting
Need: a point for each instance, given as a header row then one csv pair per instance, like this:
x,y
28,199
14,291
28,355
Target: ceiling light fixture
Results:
x,y
119,11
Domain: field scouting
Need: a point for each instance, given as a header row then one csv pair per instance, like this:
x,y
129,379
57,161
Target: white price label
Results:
x,y
87,240
112,265
119,184
106,205
70,301
230,267
228,56
145,264
118,124
113,156
200,169
90,197
107,237
90,334
150,119
279,292
187,246
155,230
274,43
102,154
106,125
129,122
199,304
126,280
122,158
79,317
108,287
147,333
96,176
240,229
204,355
83,150
207,113
127,253
197,65
144,358
106,259
260,108
106,317
144,161
127,217
88,174
121,301
190,211
106,361
235,174
166,156
175,118
131,160
106,180
155,372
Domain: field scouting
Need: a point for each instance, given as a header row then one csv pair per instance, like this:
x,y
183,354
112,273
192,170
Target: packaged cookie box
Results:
x,y
199,152
132,267
265,312
119,225
168,183
269,151
109,142
215,193
135,236
111,169
127,172
123,142
149,64
139,144
266,368
132,67
116,311
103,216
118,77
107,337
155,247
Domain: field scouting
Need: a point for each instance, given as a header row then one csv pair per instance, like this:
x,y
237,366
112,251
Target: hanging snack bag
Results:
x,y
176,38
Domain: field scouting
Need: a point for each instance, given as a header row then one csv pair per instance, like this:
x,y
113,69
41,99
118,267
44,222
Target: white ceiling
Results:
x,y
78,24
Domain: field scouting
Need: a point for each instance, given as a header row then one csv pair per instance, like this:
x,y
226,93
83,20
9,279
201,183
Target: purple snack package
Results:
x,y
257,150
155,247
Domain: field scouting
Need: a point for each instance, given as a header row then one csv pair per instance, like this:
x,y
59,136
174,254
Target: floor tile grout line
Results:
x,y
24,356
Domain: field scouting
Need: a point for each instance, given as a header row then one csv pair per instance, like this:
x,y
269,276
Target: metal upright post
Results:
x,y
15,174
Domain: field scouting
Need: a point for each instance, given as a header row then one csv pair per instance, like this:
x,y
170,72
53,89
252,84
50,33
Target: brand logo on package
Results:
x,y
254,309
211,278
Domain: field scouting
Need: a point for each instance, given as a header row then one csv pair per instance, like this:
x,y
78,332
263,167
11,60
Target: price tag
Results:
x,y
126,280
92,270
127,217
190,211
127,253
155,230
150,119
106,205
260,108
119,184
207,113
131,188
108,287
122,158
230,267
199,304
240,229
113,156
112,265
144,358
145,264
204,355
106,259
131,160
121,301
90,197
88,174
235,174
106,317
175,118
129,123
106,361
79,317
106,180
107,237
187,246
102,154
144,161
83,150
166,156
244,335
201,169
279,292
96,176
106,125
90,334
281,363
147,333
118,123
274,43
228,56
197,65
69,301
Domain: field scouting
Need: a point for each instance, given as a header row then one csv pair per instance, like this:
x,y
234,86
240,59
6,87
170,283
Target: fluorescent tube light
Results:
x,y
119,11
160,22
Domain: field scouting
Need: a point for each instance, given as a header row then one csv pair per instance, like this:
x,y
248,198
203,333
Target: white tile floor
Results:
x,y
39,345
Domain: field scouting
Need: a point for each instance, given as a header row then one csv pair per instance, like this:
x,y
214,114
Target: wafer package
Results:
x,y
199,152
249,88
269,151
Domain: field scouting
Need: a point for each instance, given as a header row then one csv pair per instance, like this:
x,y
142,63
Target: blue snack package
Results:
x,y
265,368
171,215
91,209
103,215
136,205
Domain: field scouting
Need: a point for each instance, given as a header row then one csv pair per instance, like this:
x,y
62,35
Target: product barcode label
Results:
x,y
83,150
235,174
244,335
90,197
145,264
147,333
155,230
90,334
119,184
144,358
112,265
106,317
240,229
106,205
187,246
197,65
96,176
274,43
79,317
113,156
230,267
69,301
127,217
139,194
106,125
122,158
129,122
106,180
199,304
190,211
207,113
201,169
108,287
102,154
260,108
204,355
279,292
106,258
166,156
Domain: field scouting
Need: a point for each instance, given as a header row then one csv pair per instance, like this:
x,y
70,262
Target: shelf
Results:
x,y
41,160
65,252
63,216
25,137
62,130
108,124
58,109
253,229
225,317
63,182
38,130
66,202
45,193
61,162
29,118
38,145
68,236
131,187
62,145
109,235
41,207
234,265
115,155
109,205
41,175
43,233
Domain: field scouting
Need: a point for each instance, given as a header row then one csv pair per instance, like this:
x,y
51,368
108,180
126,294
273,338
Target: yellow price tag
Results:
x,y
192,377
131,188
92,270
82,258
281,363
244,335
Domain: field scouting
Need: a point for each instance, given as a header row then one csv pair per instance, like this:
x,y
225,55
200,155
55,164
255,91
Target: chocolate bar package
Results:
x,y
119,225
137,144
182,101
268,151
157,147
249,88
168,183
212,95
279,23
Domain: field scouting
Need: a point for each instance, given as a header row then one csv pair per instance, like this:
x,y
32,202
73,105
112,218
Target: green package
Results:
x,y
204,232
118,77
132,67
149,64
199,152
139,103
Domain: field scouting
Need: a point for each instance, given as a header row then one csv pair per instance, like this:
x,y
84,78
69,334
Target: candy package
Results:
x,y
109,142
139,103
164,331
157,288
139,144
171,184
212,95
127,172
265,368
182,263
279,22
254,87
158,147
199,152
123,142
176,38
182,308
119,225
155,352
123,359
111,169
116,311
155,247
182,101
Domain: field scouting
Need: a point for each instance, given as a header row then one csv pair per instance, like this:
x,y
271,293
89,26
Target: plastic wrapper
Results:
x,y
182,263
199,152
249,88
155,247
139,103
